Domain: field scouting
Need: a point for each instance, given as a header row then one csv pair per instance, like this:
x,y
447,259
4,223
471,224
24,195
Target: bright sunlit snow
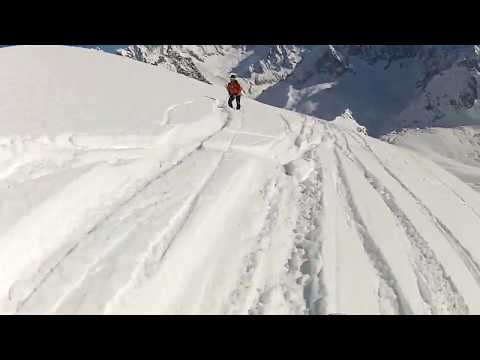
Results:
x,y
129,189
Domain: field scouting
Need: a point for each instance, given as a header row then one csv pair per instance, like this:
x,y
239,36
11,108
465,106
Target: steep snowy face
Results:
x,y
129,189
387,87
456,149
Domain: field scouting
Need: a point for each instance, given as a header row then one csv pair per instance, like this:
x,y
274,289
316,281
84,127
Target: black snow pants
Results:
x,y
230,101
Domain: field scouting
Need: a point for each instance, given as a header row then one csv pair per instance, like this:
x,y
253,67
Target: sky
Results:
x,y
108,48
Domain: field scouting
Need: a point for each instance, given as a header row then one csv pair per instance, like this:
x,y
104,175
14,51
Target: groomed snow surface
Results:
x,y
128,189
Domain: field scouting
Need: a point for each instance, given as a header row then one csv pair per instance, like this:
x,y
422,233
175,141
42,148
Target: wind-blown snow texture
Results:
x,y
129,189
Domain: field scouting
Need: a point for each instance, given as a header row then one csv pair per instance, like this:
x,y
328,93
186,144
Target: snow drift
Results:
x,y
130,189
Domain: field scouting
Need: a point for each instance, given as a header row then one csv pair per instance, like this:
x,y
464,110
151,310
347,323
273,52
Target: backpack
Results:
x,y
234,88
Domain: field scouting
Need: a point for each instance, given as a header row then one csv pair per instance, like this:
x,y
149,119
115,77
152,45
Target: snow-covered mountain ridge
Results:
x,y
131,189
387,87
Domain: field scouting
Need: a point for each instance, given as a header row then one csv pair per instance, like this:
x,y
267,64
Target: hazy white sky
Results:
x,y
109,48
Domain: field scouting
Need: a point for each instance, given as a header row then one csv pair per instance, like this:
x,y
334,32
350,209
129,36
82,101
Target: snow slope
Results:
x,y
456,149
130,189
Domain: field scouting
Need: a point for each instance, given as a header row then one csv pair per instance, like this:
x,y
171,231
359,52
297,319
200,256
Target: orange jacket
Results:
x,y
234,88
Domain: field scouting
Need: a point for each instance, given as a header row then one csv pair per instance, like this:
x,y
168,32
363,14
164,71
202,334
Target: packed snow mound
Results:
x,y
128,189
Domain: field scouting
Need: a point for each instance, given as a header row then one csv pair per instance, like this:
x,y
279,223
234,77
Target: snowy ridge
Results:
x,y
174,204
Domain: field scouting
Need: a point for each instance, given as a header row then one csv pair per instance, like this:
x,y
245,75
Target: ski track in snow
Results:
x,y
464,254
376,257
455,302
253,292
125,203
217,211
432,278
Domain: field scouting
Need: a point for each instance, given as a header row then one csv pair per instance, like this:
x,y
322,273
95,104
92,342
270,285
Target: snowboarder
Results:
x,y
234,91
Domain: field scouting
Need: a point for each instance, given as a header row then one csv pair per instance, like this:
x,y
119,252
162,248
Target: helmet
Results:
x,y
233,76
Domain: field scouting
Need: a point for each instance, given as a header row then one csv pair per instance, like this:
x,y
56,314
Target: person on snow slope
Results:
x,y
234,91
